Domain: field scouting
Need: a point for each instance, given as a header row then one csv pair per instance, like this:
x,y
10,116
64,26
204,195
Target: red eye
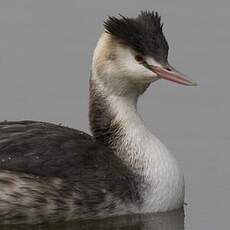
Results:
x,y
139,58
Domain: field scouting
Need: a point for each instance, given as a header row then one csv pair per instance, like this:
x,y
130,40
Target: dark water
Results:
x,y
164,221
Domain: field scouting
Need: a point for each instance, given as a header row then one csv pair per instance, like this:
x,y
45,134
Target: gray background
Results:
x,y
45,56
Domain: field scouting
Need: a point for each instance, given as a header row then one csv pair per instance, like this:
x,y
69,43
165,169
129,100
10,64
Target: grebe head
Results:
x,y
134,52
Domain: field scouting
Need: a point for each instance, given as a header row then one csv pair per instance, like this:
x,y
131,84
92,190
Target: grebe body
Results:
x,y
49,172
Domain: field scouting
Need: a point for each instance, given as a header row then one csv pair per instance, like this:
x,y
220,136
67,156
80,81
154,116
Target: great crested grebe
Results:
x,y
50,173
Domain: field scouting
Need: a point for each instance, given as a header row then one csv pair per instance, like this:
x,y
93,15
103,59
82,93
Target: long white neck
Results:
x,y
116,122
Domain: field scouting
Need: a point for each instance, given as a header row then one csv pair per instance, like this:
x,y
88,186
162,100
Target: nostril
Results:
x,y
168,69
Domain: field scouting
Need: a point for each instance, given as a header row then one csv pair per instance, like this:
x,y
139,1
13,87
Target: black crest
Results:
x,y
144,33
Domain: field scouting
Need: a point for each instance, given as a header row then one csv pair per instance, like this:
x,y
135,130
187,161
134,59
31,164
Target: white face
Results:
x,y
129,64
117,65
117,61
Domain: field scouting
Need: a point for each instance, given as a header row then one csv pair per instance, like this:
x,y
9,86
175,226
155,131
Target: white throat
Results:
x,y
145,155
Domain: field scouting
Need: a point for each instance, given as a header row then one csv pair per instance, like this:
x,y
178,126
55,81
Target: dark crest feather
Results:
x,y
143,33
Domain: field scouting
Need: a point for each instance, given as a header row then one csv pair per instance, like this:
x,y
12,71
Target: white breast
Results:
x,y
166,183
150,159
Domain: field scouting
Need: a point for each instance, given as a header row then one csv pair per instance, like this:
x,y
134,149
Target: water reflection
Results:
x,y
164,221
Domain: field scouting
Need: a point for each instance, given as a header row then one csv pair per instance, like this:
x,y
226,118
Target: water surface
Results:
x,y
164,221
